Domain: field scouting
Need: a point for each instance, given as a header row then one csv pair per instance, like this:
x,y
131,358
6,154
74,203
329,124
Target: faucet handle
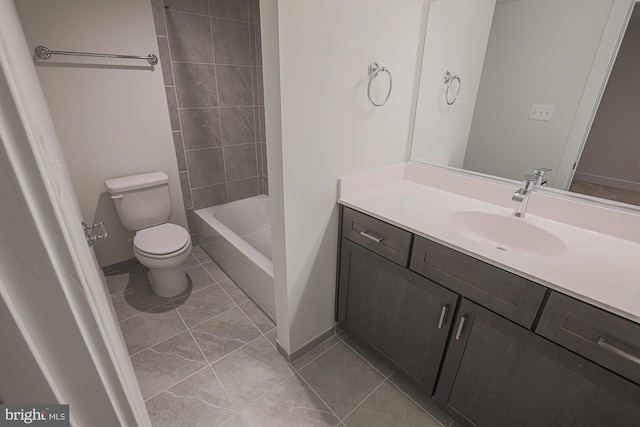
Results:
x,y
541,171
528,181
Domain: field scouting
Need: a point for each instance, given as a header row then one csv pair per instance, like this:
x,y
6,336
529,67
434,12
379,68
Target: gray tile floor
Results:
x,y
208,358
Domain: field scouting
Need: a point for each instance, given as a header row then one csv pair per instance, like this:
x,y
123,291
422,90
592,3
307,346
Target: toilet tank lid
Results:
x,y
136,182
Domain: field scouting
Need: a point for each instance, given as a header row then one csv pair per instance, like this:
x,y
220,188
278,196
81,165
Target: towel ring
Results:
x,y
374,70
448,78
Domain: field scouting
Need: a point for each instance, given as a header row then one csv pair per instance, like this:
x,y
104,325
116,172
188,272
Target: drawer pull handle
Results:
x,y
371,237
443,316
460,327
616,350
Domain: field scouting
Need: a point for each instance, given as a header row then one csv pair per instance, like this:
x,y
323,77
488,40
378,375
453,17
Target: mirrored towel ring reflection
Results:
x,y
448,80
374,70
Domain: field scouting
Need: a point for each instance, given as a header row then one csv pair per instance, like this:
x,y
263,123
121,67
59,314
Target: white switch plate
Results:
x,y
542,112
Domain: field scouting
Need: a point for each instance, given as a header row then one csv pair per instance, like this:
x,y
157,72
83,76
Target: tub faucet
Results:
x,y
521,196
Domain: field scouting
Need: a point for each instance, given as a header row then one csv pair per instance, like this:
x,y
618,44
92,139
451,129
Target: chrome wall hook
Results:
x,y
373,71
448,79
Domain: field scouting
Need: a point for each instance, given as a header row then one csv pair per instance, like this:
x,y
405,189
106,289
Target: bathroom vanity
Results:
x,y
500,329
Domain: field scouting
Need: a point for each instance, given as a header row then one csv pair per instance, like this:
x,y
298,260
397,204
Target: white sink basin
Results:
x,y
506,233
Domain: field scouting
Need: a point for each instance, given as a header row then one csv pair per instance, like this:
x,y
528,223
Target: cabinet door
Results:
x,y
497,373
404,316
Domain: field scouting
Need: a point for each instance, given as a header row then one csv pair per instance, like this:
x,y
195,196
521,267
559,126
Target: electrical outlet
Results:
x,y
542,112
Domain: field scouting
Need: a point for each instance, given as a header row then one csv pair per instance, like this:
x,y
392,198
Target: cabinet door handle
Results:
x,y
443,316
460,327
366,234
630,357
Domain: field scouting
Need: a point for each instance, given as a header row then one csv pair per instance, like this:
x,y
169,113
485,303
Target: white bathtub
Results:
x,y
237,235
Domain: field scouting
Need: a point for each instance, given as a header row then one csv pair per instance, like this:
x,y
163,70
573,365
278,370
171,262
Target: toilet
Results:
x,y
144,207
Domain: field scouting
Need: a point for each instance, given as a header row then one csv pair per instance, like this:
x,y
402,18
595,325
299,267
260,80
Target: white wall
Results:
x,y
111,119
611,155
320,126
456,41
540,52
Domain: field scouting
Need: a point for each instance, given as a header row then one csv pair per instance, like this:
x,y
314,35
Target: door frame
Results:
x,y
612,36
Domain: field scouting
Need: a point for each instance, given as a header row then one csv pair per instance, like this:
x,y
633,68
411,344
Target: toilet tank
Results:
x,y
141,201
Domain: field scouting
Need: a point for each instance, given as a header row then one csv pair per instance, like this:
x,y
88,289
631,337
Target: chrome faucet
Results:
x,y
522,195
530,183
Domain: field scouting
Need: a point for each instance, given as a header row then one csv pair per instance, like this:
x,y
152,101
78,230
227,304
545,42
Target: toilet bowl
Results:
x,y
164,249
144,207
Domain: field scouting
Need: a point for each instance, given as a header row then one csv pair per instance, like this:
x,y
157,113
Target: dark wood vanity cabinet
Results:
x,y
497,373
402,315
492,348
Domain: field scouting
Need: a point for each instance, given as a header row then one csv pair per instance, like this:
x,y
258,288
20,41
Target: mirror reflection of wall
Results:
x,y
540,52
609,166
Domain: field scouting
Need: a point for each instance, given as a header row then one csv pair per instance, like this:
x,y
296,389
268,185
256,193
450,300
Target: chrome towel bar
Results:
x,y
44,53
374,70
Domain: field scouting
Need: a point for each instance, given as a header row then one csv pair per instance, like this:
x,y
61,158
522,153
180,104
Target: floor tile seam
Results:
x,y
369,363
364,400
413,400
156,343
234,351
170,302
265,336
227,293
217,315
129,289
215,374
312,360
247,316
209,260
176,383
293,373
178,297
319,397
228,395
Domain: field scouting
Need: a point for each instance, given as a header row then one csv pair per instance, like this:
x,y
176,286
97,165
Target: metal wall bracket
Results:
x,y
88,232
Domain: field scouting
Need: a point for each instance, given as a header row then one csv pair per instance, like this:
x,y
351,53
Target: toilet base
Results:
x,y
168,282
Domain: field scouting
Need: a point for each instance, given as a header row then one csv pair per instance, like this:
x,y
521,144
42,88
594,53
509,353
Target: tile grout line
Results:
x,y
201,264
188,12
369,363
363,400
312,360
318,395
176,383
210,366
156,343
413,400
387,378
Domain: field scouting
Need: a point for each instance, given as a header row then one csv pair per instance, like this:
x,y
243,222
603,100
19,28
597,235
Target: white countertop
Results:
x,y
601,265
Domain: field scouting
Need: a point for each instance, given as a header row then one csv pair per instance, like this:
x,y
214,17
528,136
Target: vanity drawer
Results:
x,y
384,239
507,294
595,334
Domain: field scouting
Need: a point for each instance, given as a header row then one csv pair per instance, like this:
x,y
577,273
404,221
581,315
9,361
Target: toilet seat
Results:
x,y
161,241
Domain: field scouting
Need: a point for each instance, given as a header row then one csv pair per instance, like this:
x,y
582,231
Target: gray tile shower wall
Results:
x,y
211,61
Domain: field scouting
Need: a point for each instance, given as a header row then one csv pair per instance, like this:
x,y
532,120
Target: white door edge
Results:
x,y
22,80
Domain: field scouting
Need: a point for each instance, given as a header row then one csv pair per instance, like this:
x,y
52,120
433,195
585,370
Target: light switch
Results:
x,y
542,112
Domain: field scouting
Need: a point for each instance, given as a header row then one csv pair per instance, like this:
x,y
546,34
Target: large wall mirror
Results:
x,y
542,83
